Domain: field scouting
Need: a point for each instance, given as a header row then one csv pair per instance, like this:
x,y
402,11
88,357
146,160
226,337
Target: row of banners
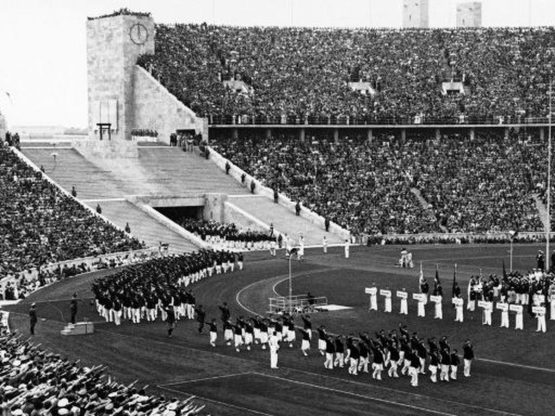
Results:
x,y
487,307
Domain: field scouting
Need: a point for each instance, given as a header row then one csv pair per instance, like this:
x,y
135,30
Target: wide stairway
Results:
x,y
158,172
143,226
284,220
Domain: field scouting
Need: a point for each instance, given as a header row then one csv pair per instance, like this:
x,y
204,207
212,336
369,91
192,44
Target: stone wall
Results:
x,y
243,220
157,109
112,51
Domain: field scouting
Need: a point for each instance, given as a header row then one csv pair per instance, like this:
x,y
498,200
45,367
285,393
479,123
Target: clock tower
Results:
x,y
114,42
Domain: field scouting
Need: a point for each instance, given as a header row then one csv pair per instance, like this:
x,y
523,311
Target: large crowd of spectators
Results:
x,y
36,382
40,225
481,185
302,74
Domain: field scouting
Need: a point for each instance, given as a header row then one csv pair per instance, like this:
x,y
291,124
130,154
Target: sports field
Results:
x,y
514,372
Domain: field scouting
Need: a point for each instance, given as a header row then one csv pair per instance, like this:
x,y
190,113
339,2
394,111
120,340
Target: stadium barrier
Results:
x,y
454,238
92,262
293,120
296,304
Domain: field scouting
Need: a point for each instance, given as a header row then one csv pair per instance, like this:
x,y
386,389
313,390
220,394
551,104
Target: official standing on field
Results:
x,y
468,356
274,347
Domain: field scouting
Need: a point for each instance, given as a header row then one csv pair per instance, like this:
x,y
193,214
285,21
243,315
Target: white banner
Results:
x,y
371,290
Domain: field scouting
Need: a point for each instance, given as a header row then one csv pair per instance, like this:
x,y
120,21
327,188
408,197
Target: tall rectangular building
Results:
x,y
415,14
469,14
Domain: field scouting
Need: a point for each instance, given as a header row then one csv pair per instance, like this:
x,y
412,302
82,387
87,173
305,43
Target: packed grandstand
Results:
x,y
420,184
302,74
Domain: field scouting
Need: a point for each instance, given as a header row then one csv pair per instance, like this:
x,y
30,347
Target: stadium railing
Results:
x,y
245,119
296,303
454,238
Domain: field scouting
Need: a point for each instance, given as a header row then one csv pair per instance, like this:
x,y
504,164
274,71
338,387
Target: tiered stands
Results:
x,y
300,75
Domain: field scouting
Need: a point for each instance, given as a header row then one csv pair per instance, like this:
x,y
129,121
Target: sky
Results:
x,y
43,42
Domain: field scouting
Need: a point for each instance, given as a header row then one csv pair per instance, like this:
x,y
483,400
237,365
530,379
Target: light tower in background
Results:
x,y
469,14
415,14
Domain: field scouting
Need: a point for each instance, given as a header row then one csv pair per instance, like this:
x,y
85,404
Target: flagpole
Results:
x,y
290,286
549,177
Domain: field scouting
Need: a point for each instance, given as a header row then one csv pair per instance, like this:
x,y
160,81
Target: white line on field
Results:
x,y
362,396
218,402
194,380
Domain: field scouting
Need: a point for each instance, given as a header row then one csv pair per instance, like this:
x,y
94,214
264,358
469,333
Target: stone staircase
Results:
x,y
161,171
68,168
284,220
142,225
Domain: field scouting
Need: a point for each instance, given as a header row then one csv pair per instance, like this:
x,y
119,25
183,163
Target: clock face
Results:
x,y
138,34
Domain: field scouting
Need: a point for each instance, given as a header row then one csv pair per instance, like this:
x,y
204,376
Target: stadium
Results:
x,y
278,220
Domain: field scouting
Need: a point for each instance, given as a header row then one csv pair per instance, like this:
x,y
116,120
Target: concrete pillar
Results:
x,y
403,135
336,135
370,136
235,133
268,133
542,134
438,134
472,134
302,135
506,133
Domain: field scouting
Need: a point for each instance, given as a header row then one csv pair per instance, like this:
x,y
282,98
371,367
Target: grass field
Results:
x,y
514,372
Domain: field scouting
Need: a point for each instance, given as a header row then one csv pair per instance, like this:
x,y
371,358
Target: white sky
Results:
x,y
43,42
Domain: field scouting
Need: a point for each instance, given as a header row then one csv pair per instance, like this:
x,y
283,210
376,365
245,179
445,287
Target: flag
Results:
x,y
454,281
437,274
421,275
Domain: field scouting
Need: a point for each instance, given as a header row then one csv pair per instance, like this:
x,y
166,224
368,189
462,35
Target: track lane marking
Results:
x,y
361,396
194,380
256,412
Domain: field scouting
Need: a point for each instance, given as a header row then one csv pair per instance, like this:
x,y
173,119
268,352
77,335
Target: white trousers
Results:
x,y
404,307
459,314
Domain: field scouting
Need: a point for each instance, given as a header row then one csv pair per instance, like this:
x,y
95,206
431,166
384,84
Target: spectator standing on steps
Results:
x,y
32,318
298,208
73,308
73,191
127,228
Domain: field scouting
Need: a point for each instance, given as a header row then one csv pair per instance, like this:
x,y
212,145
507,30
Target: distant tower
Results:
x,y
3,127
415,14
113,44
469,14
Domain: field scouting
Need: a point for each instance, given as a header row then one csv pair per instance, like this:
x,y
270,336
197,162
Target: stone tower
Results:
x,y
469,14
415,14
114,43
